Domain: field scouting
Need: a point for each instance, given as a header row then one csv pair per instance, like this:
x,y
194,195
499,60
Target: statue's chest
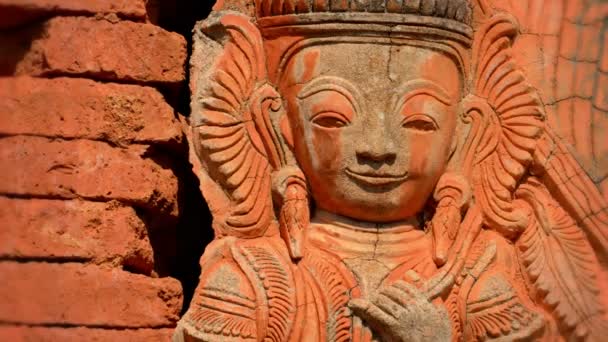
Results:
x,y
330,281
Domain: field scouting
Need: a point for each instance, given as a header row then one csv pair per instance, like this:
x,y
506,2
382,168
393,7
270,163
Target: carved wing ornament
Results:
x,y
507,119
527,182
570,71
233,135
561,264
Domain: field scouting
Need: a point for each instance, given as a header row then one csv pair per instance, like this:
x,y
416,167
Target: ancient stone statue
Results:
x,y
382,170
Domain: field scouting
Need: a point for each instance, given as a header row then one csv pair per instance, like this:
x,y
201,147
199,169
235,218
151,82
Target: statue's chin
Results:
x,y
381,204
374,210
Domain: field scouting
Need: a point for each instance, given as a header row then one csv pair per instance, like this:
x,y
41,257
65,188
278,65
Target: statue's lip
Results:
x,y
376,178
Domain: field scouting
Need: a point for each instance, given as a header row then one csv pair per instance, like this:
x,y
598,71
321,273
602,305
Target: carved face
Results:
x,y
372,125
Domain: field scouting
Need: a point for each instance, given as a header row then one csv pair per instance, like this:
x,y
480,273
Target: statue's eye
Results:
x,y
330,120
420,122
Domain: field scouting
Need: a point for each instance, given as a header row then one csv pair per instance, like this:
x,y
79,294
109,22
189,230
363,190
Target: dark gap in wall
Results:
x,y
194,230
180,16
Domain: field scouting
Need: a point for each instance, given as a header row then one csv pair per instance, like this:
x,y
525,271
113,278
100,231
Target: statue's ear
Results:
x,y
505,118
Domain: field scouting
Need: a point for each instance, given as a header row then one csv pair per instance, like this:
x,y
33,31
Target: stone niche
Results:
x,y
399,170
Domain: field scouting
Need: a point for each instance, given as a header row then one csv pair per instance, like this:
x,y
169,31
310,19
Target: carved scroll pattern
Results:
x,y
232,133
507,119
562,265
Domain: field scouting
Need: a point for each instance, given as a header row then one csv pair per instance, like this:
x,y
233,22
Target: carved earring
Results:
x,y
290,189
452,194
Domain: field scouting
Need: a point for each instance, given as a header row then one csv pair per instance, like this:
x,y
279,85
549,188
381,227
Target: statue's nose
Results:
x,y
376,149
377,155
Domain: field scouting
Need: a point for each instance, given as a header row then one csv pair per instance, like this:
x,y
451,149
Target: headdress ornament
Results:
x,y
451,19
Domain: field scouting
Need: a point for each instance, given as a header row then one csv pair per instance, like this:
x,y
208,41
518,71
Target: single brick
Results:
x,y
97,48
79,294
81,108
74,229
19,12
600,98
570,40
87,169
585,77
566,73
40,334
590,39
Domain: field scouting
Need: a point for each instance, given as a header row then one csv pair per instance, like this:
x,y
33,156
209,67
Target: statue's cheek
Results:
x,y
327,146
428,153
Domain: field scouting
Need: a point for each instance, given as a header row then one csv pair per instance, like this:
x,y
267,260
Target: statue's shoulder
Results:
x,y
246,290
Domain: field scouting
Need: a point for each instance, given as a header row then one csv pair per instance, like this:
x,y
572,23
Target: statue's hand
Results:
x,y
403,312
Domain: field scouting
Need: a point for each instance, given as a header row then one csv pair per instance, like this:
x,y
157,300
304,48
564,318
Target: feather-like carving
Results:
x,y
562,265
219,314
280,292
232,131
337,296
507,118
576,193
221,324
565,49
502,316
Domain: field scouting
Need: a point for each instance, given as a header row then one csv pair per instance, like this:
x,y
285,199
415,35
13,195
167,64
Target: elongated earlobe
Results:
x,y
453,194
290,189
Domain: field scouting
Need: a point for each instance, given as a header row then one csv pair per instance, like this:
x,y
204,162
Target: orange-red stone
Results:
x,y
81,108
77,294
42,229
42,334
19,12
42,167
101,49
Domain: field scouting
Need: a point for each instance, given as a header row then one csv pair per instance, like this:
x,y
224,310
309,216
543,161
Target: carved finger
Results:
x,y
410,291
388,305
414,276
397,295
371,313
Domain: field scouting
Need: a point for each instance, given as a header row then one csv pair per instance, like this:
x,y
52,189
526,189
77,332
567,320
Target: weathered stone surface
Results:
x,y
81,108
87,169
74,229
38,334
96,48
19,12
401,181
77,294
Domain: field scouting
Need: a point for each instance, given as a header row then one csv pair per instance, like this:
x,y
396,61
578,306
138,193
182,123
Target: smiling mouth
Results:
x,y
376,178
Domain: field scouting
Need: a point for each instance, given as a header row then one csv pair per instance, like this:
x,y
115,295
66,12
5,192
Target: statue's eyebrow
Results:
x,y
420,86
332,83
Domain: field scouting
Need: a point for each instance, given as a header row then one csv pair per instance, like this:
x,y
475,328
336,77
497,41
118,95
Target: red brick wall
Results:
x,y
90,151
